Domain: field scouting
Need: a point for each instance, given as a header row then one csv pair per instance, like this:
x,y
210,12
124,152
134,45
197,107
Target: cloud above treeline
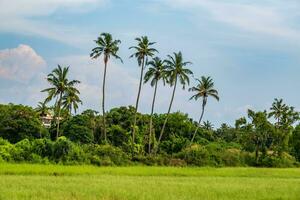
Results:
x,y
20,64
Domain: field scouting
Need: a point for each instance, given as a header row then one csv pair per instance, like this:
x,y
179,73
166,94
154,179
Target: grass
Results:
x,y
25,181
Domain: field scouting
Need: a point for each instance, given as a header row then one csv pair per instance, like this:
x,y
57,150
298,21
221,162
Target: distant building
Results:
x,y
46,120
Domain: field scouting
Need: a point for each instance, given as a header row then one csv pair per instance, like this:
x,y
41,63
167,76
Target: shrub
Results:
x,y
108,154
5,150
196,155
66,152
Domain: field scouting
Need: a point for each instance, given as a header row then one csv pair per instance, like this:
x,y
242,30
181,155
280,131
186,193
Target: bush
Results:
x,y
66,152
285,160
196,155
232,157
43,148
109,155
5,150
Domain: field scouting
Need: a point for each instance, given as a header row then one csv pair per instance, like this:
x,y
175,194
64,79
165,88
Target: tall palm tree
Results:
x,y
108,47
143,50
176,71
204,89
60,86
156,72
71,100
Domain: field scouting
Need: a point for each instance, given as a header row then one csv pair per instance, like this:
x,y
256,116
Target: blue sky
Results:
x,y
250,48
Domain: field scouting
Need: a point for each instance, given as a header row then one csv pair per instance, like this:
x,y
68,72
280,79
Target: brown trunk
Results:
x,y
137,103
103,99
199,123
152,110
169,110
58,117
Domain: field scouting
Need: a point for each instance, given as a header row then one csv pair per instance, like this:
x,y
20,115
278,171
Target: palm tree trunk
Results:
x,y
169,110
58,117
152,110
103,100
137,103
199,123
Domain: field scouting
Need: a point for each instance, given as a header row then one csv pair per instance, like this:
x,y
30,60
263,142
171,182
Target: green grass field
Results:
x,y
24,181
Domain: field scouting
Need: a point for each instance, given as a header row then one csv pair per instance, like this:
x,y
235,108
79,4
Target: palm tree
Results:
x,y
143,50
42,109
175,72
60,86
156,72
277,110
71,100
107,47
208,125
204,89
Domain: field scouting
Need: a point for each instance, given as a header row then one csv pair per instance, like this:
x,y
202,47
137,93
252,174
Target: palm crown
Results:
x,y
176,70
156,71
143,49
58,79
205,88
71,100
106,46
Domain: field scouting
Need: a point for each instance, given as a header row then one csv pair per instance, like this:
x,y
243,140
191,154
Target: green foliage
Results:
x,y
19,122
78,129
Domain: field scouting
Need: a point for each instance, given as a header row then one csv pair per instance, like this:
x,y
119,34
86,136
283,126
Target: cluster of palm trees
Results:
x,y
172,71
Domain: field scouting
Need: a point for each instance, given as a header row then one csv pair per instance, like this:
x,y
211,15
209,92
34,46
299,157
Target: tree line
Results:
x,y
172,71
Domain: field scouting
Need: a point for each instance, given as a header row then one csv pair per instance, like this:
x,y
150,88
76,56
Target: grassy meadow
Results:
x,y
25,181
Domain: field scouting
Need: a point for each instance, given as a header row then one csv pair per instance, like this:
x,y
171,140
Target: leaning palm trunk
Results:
x,y
58,117
166,120
152,110
137,104
199,123
103,100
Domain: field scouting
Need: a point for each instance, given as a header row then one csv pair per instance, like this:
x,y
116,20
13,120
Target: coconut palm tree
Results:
x,y
71,100
143,50
208,125
60,86
176,71
108,47
204,89
277,110
42,109
156,72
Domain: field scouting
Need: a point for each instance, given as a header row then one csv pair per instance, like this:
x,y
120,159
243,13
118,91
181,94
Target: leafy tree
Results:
x,y
262,132
60,86
143,50
156,72
204,89
19,122
108,47
176,71
295,142
79,129
285,117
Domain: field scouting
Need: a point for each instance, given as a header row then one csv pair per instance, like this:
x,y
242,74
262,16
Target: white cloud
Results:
x,y
24,17
20,64
261,17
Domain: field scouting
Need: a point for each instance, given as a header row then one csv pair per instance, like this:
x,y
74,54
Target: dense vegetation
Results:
x,y
123,136
254,143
